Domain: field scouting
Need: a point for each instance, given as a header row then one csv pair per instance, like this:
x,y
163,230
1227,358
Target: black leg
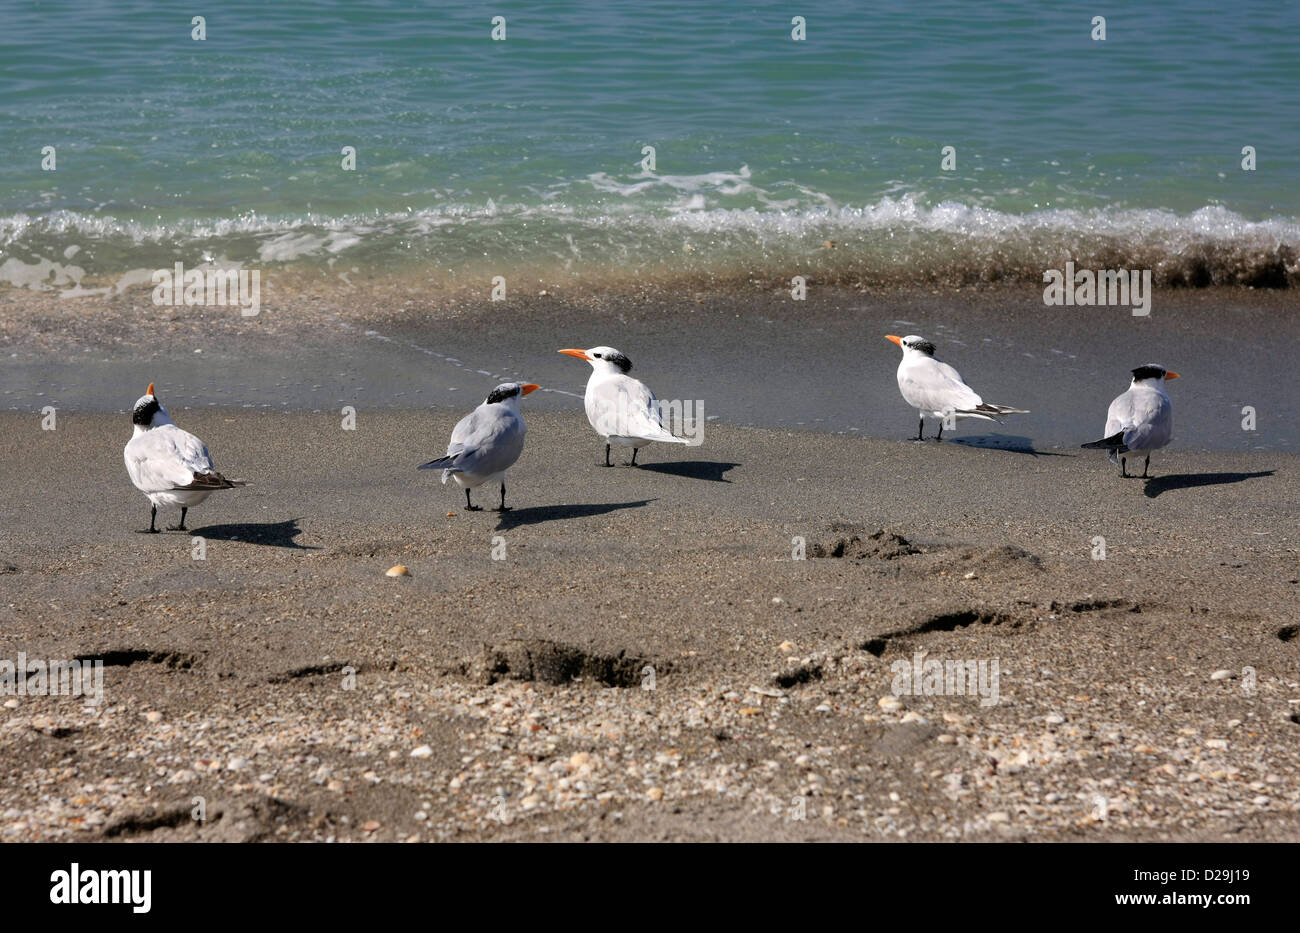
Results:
x,y
469,506
503,499
920,429
634,453
181,526
1123,466
153,514
607,463
939,436
1146,466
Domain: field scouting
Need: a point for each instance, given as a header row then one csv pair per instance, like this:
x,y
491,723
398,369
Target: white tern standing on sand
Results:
x,y
1139,421
623,410
934,388
486,443
170,466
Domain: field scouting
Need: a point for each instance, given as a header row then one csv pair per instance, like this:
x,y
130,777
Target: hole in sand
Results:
x,y
125,657
554,663
803,674
880,545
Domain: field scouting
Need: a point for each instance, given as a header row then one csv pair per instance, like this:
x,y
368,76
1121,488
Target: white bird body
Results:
x,y
1140,420
1145,414
170,466
163,458
486,442
625,412
622,410
934,388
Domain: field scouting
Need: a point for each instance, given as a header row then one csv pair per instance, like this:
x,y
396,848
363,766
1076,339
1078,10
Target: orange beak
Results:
x,y
1170,374
580,354
897,340
528,387
149,391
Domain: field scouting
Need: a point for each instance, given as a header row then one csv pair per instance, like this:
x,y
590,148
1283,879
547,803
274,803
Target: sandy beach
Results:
x,y
649,659
322,234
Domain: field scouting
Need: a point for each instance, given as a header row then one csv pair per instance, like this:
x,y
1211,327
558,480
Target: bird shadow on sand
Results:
x,y
535,515
1158,484
269,534
711,470
1014,443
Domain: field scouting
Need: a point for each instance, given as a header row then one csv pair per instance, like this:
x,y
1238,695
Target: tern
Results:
x,y
934,388
170,466
486,443
623,410
1139,421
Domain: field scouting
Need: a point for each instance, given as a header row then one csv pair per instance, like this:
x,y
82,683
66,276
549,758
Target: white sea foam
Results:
x,y
649,215
288,238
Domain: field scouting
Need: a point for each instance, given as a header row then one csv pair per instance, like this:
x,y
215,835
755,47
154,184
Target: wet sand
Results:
x,y
753,356
648,661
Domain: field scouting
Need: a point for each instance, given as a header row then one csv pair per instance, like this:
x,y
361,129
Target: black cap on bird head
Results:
x,y
615,358
620,360
912,342
1152,371
508,390
145,408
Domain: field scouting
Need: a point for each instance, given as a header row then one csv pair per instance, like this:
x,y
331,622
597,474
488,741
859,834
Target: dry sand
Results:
x,y
648,661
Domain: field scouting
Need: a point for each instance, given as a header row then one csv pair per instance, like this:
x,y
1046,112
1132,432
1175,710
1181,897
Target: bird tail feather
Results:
x,y
447,464
1000,409
975,413
441,463
213,480
1113,443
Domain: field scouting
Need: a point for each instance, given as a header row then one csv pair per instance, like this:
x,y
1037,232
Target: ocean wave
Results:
x,y
903,239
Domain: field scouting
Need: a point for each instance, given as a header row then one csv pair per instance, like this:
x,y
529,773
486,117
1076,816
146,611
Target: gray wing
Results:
x,y
625,407
168,458
1119,417
1152,422
935,386
488,440
465,430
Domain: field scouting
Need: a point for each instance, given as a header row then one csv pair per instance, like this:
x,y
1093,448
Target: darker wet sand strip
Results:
x,y
751,357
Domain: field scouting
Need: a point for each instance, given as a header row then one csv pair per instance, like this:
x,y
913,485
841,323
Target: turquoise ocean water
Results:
x,y
480,154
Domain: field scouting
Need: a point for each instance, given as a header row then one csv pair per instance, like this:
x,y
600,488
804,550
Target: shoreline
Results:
x,y
819,364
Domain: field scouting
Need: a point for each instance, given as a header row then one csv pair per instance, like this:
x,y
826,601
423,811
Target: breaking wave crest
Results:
x,y
898,240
